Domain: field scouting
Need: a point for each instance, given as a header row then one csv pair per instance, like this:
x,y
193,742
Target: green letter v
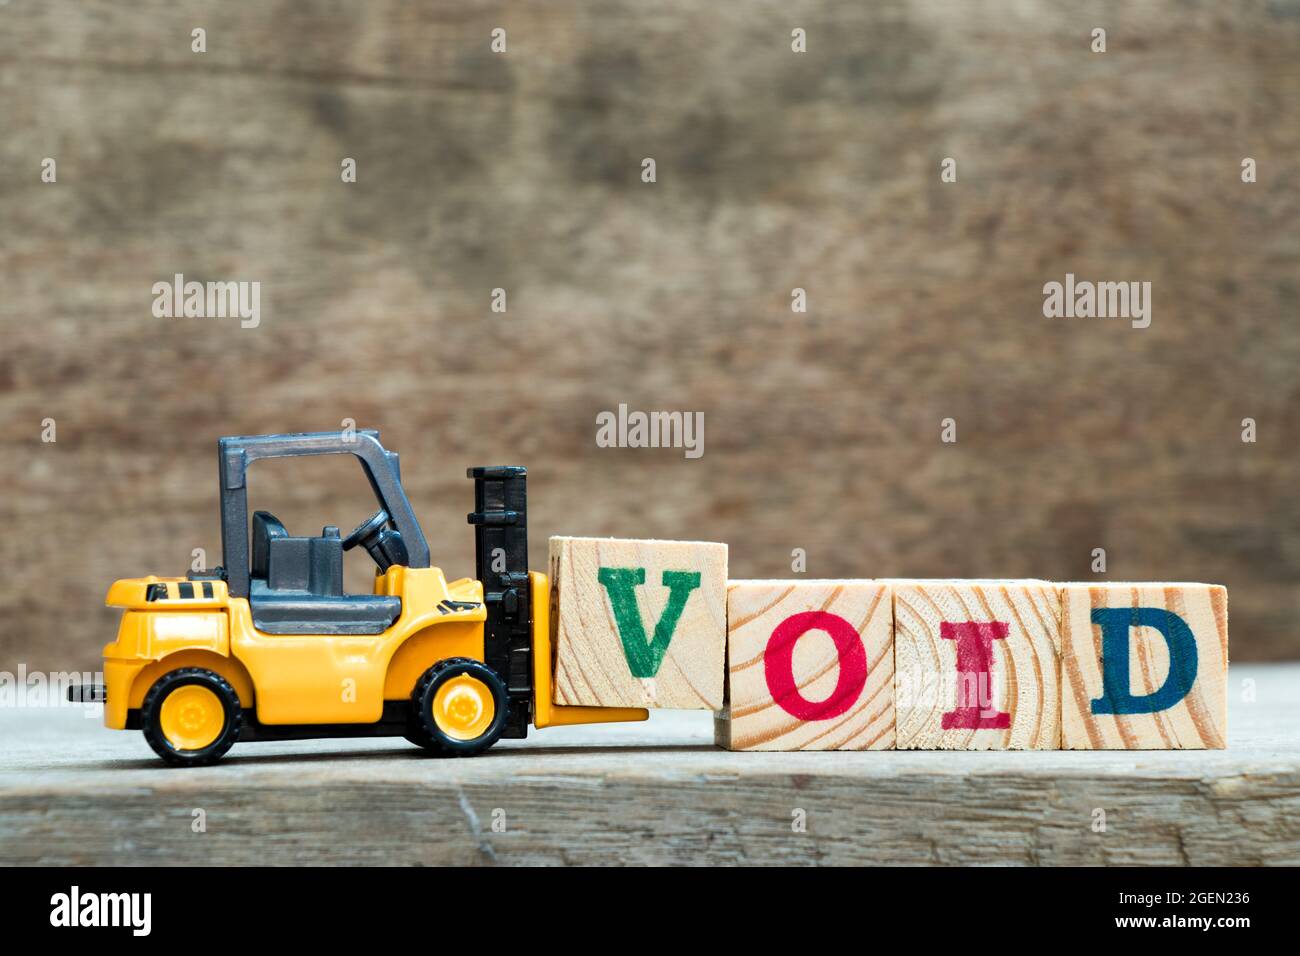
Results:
x,y
644,657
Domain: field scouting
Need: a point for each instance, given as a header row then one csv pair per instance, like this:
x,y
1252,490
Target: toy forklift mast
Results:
x,y
500,523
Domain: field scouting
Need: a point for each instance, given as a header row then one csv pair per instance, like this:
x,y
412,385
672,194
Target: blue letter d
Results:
x,y
1115,623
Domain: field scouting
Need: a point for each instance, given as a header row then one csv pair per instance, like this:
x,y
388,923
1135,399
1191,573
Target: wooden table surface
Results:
x,y
74,793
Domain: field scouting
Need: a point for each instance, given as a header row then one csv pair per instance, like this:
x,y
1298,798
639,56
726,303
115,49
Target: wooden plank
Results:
x,y
522,171
1166,646
810,666
654,793
977,665
638,623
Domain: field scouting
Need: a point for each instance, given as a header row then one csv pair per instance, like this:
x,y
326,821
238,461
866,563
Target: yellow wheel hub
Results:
x,y
463,708
192,717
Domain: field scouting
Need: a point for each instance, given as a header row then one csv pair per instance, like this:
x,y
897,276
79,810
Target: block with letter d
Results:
x,y
638,623
1144,666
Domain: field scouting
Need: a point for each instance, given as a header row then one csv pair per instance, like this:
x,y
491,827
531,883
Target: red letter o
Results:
x,y
778,665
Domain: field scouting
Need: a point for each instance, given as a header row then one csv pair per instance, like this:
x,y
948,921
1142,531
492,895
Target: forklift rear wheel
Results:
x,y
191,717
460,707
415,735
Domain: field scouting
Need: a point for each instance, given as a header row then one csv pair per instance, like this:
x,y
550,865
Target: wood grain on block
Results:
x,y
977,665
810,666
1145,666
638,623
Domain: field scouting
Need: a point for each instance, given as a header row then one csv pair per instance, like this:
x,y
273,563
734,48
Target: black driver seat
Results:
x,y
296,585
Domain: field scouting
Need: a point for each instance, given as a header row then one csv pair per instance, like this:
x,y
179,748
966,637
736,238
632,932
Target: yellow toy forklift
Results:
x,y
269,647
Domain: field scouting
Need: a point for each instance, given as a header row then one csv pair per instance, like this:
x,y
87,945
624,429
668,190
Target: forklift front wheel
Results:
x,y
460,707
191,717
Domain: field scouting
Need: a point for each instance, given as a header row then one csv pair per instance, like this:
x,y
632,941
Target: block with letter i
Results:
x,y
638,623
977,665
809,666
1144,666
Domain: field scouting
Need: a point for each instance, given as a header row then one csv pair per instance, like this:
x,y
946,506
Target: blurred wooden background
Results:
x,y
775,170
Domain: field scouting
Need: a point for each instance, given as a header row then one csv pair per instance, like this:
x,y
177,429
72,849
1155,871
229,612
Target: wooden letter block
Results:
x,y
810,666
977,665
1145,666
638,623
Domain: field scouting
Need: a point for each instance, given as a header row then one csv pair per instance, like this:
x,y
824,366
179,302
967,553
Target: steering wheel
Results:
x,y
365,533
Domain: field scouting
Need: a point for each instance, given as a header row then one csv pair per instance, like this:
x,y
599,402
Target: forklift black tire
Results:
x,y
191,717
461,706
416,736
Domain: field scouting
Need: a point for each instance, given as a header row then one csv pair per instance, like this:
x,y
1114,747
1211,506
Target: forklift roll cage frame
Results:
x,y
381,468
